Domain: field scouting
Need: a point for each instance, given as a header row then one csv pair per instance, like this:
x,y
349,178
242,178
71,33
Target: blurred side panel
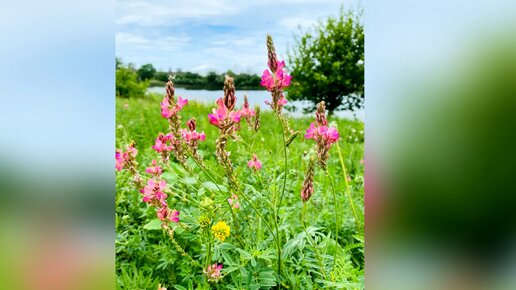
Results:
x,y
56,144
440,145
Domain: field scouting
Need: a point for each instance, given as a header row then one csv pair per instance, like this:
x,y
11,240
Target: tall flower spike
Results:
x,y
320,114
256,124
229,93
271,55
308,184
170,90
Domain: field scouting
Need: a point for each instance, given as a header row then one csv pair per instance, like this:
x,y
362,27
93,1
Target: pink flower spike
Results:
x,y
267,80
181,102
202,136
311,132
235,116
213,119
174,216
213,272
255,163
120,160
165,108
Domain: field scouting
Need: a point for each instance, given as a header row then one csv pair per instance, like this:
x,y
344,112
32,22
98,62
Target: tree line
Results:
x,y
191,80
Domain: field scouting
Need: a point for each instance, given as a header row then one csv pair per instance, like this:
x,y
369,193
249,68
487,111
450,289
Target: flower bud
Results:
x,y
191,124
229,93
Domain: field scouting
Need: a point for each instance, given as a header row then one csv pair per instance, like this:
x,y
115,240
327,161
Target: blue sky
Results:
x,y
204,35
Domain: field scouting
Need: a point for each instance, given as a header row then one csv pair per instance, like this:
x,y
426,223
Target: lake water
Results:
x,y
256,97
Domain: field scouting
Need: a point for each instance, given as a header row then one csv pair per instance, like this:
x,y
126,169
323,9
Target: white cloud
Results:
x,y
293,23
161,12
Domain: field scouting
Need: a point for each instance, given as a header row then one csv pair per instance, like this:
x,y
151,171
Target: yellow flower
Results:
x,y
220,230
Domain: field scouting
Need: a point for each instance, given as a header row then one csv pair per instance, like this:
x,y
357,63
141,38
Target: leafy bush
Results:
x,y
127,83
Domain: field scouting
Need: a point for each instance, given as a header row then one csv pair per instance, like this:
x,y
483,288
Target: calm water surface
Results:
x,y
256,97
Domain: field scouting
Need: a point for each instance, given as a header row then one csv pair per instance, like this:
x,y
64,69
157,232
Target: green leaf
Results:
x,y
154,224
179,287
214,187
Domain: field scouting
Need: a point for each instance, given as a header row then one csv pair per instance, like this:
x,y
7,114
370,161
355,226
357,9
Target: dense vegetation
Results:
x,y
145,257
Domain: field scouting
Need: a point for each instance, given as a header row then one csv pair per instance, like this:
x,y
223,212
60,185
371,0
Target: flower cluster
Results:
x,y
275,78
322,134
254,163
213,272
220,230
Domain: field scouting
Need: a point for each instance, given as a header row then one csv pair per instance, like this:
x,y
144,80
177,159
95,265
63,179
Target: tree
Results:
x,y
327,63
146,72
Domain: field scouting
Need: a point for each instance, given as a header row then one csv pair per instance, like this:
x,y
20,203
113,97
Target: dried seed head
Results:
x,y
271,54
191,124
229,93
320,115
308,183
291,138
256,124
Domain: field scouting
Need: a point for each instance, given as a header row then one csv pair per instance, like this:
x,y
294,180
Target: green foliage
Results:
x,y
327,63
127,83
145,256
146,72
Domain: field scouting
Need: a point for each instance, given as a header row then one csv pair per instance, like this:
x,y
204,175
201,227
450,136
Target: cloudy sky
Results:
x,y
204,35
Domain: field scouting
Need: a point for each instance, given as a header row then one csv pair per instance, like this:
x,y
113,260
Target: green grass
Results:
x,y
148,253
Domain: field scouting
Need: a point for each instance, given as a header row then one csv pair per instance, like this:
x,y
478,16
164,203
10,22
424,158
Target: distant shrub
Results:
x,y
127,83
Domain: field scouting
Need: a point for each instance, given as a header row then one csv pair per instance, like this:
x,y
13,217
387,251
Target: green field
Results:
x,y
146,256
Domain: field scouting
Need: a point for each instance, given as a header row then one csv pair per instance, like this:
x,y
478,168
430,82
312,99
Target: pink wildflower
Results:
x,y
255,163
165,214
213,272
246,112
153,192
154,169
322,134
222,116
168,111
125,159
181,103
233,201
161,143
120,160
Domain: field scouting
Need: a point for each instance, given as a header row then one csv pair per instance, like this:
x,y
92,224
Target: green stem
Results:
x,y
178,247
336,217
348,192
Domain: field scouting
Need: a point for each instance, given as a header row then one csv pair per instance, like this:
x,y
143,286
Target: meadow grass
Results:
x,y
146,258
